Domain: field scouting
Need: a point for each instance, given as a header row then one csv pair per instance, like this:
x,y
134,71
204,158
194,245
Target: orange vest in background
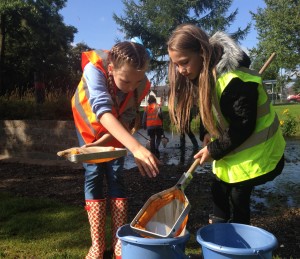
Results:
x,y
85,120
152,115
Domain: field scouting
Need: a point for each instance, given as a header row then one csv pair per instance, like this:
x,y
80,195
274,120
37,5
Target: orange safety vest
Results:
x,y
152,115
85,120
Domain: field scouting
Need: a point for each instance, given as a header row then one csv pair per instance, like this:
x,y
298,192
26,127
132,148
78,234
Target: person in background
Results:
x,y
189,132
153,122
106,113
240,130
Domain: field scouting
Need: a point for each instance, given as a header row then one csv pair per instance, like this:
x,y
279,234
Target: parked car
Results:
x,y
294,98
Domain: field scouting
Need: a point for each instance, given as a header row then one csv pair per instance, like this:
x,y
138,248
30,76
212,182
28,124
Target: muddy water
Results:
x,y
284,190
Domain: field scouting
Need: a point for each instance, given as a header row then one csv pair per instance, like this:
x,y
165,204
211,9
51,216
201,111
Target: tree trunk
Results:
x,y
2,45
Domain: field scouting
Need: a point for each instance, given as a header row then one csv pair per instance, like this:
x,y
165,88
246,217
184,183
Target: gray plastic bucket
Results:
x,y
235,241
134,246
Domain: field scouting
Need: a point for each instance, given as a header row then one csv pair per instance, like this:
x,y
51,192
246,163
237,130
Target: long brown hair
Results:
x,y
136,56
188,37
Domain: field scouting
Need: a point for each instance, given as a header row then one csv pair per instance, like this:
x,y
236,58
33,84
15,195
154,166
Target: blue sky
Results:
x,y
96,27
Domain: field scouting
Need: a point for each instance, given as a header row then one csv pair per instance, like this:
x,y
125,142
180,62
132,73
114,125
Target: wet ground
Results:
x,y
287,185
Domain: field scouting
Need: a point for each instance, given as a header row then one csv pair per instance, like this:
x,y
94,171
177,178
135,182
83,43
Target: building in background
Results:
x,y
160,93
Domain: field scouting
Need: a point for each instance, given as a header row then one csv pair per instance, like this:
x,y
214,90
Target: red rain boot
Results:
x,y
119,207
96,210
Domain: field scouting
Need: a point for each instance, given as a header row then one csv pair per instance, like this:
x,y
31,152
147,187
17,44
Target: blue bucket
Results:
x,y
134,246
235,241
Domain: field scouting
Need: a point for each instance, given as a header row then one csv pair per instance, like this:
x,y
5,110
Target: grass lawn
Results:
x,y
40,228
293,108
290,115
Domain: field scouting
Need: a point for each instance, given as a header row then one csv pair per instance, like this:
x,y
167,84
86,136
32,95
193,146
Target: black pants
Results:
x,y
155,138
231,203
192,138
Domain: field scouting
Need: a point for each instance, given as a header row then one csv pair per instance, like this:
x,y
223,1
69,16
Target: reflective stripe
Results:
x,y
259,137
263,109
101,54
223,124
82,113
98,58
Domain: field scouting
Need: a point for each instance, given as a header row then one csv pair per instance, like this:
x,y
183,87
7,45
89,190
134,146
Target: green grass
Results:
x,y
294,109
39,228
289,115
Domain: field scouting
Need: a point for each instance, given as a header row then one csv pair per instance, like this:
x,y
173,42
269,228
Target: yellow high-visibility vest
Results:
x,y
261,152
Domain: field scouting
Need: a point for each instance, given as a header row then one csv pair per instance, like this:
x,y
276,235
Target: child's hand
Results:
x,y
204,156
146,162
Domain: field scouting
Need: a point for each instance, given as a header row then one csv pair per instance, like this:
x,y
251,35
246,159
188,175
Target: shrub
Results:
x,y
288,124
23,106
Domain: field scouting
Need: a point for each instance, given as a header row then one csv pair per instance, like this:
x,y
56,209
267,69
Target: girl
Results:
x,y
106,111
153,122
240,130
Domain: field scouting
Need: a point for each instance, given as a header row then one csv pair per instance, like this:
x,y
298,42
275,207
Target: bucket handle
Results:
x,y
180,252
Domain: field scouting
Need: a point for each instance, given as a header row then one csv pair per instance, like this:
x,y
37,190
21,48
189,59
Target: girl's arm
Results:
x,y
102,103
101,141
145,160
239,104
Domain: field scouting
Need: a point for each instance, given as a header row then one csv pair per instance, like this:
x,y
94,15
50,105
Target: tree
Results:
x,y
271,72
74,65
296,86
278,28
154,20
7,15
34,39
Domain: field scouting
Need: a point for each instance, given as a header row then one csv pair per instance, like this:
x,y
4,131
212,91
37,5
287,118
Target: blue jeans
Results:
x,y
94,176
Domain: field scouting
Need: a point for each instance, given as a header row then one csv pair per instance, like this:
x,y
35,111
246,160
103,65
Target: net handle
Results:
x,y
193,166
268,62
187,176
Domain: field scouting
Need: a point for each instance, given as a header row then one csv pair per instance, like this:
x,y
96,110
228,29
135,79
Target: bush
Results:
x,y
26,110
17,106
288,124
